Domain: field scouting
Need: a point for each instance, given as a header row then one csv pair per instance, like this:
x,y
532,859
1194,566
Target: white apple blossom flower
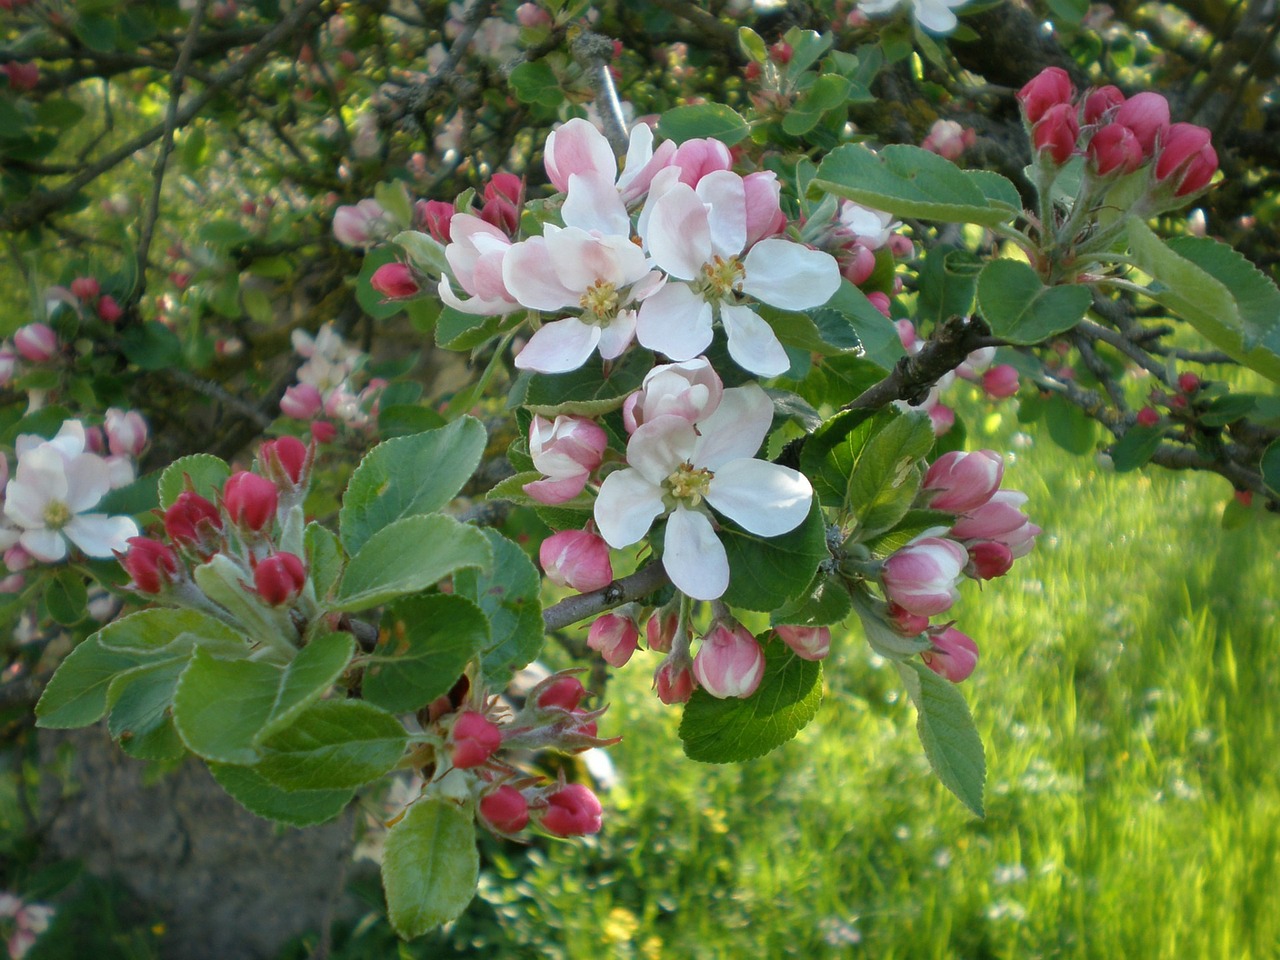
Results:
x,y
934,15
704,238
676,470
475,253
55,483
871,228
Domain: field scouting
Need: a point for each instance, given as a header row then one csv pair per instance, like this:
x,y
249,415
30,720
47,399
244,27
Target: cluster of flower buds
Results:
x,y
920,580
1119,135
38,344
329,392
240,558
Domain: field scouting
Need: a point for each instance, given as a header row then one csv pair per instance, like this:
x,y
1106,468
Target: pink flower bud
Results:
x,y
1000,382
284,460
691,390
565,693
1114,148
8,365
16,559
1049,88
696,158
22,76
85,288
949,139
192,521
36,342
1148,417
322,431
572,811
280,578
302,401
942,417
1099,101
921,577
660,631
475,739
1056,133
503,197
394,281
1188,382
960,481
907,336
615,637
988,559
764,211
729,663
807,643
1147,115
859,265
250,500
152,565
109,311
880,301
532,15
1000,519
954,655
904,622
576,559
566,451
126,432
674,681
356,226
505,810
434,217
1186,158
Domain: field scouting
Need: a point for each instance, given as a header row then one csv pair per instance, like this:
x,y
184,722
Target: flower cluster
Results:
x,y
27,920
328,391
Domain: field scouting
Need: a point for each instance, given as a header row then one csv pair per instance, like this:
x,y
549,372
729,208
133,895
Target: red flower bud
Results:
x,y
1049,88
85,288
505,810
1187,158
1056,133
904,622
1001,381
1147,115
988,559
1188,382
475,739
954,655
22,76
573,811
674,680
280,578
1099,101
1148,417
286,457
435,216
109,310
566,693
1114,148
152,565
615,637
394,281
192,521
250,500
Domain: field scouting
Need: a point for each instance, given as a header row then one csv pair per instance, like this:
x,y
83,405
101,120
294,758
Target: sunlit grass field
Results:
x,y
1127,698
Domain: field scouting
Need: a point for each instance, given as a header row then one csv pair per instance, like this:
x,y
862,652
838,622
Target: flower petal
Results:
x,y
727,218
693,555
88,480
99,535
765,498
737,428
752,343
530,277
679,236
559,346
617,336
45,545
661,445
578,147
626,507
592,203
785,274
675,321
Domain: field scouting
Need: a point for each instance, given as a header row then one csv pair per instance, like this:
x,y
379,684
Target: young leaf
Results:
x,y
1021,309
409,476
950,740
333,745
306,679
509,596
766,572
430,865
733,730
207,472
141,700
220,705
589,391
77,693
885,478
425,645
703,120
258,795
155,630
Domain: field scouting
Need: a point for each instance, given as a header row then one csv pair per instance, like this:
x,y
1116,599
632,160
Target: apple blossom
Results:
x,y
1049,88
505,809
954,654
576,559
674,681
936,16
700,238
921,577
279,578
359,225
476,255
729,663
1001,381
870,228
807,643
36,342
615,637
566,451
151,565
1002,520
960,481
674,467
475,739
572,811
302,401
126,432
577,147
394,281
691,390
988,559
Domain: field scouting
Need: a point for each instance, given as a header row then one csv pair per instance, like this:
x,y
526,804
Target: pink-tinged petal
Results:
x,y
474,306
98,535
643,163
45,545
592,203
626,507
789,275
679,236
70,438
737,428
675,321
658,447
578,147
469,233
763,497
559,347
764,211
693,555
88,480
617,336
529,276
24,504
727,218
752,343
648,285
557,490
664,181
581,259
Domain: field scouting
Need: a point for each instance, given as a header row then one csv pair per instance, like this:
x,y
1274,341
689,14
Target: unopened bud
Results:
x,y
807,643
250,500
475,739
152,565
572,811
280,578
505,810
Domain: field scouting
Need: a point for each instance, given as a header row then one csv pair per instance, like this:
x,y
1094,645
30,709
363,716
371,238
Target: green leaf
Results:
x,y
713,120
424,645
220,705
767,572
733,730
829,92
825,603
424,250
66,597
908,181
1021,309
1135,448
535,82
77,693
950,740
948,280
1218,291
60,113
836,335
752,44
912,525
152,346
324,559
370,300
806,47
141,700
407,556
1269,465
206,471
393,197
589,391
409,476
831,452
258,795
334,744
223,233
886,476
456,330
508,593
307,678
1070,427
137,499
430,866
167,630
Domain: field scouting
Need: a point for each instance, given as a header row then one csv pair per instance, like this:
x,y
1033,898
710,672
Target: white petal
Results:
x,y
693,555
88,480
626,507
529,276
24,504
99,535
752,343
559,346
661,445
617,336
675,321
727,218
592,203
679,236
736,429
763,497
474,306
581,259
43,544
934,16
789,275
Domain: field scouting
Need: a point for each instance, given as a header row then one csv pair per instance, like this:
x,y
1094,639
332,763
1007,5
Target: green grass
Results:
x,y
1124,695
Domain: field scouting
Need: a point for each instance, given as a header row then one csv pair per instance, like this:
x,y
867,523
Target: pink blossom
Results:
x,y
1001,381
476,256
660,630
807,643
960,481
361,224
729,663
572,811
566,451
505,810
674,681
475,739
949,139
434,216
1000,519
576,559
1147,115
870,228
954,655
988,559
302,401
1114,148
1049,88
615,637
905,623
691,390
564,693
279,578
85,288
8,364
1056,133
1186,158
126,432
921,577
36,342
1100,102
698,157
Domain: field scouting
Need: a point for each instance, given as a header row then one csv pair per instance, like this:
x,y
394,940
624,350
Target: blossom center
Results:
x,y
599,302
689,483
56,515
721,277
